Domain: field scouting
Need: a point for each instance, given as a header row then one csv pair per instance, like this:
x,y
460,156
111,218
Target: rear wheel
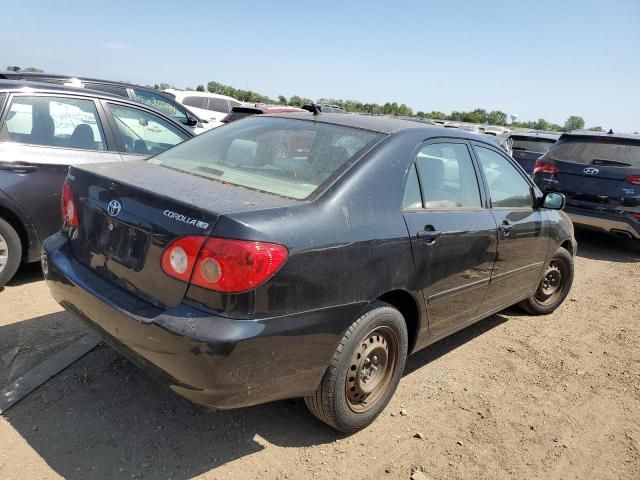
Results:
x,y
10,252
364,371
554,287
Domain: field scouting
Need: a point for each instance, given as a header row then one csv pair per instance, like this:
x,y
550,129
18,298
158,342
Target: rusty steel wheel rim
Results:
x,y
552,283
371,369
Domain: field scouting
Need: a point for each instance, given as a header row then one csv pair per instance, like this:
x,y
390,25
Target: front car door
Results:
x,y
523,230
40,136
453,234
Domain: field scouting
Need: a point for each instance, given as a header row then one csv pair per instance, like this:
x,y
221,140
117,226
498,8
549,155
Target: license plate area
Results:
x,y
116,240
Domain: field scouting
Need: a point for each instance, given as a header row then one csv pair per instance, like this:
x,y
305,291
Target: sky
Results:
x,y
542,59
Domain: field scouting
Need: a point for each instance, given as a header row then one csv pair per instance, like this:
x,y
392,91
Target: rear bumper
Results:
x,y
604,222
210,359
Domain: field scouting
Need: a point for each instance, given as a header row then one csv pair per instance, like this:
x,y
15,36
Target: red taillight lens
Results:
x,y
180,256
222,264
636,215
543,167
633,179
68,206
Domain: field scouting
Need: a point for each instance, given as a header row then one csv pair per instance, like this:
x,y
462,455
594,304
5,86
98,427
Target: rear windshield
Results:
x,y
591,151
528,144
276,155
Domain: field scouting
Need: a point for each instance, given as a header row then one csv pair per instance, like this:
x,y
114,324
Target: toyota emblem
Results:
x,y
114,208
591,171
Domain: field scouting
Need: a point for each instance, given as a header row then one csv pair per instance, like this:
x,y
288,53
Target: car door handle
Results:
x,y
506,228
17,167
429,234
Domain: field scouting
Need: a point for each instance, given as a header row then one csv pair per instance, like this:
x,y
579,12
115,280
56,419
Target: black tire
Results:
x,y
554,287
10,252
335,401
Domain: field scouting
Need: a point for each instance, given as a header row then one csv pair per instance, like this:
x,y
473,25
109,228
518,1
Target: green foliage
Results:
x,y
242,95
282,100
574,122
14,68
200,88
162,86
596,129
496,117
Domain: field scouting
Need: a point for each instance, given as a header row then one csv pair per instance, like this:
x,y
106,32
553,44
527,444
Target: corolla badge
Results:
x,y
114,207
591,171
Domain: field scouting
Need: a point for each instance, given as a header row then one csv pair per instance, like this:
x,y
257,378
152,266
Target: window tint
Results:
x,y
197,102
163,104
277,155
532,144
113,90
507,187
591,151
144,133
53,121
219,105
447,176
412,197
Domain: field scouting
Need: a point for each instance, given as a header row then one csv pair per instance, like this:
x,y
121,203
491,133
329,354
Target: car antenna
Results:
x,y
610,132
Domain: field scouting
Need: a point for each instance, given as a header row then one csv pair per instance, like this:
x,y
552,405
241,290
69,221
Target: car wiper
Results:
x,y
613,163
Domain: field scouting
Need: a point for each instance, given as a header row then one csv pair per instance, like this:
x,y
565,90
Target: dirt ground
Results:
x,y
513,396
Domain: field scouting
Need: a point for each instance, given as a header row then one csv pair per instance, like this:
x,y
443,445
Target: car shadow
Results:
x,y
27,273
600,246
103,417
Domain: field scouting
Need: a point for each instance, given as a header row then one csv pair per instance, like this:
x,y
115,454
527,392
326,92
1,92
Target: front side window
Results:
x,y
447,176
144,133
156,100
53,122
506,186
291,158
219,105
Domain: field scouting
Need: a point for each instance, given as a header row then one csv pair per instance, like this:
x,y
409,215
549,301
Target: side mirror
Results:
x,y
554,201
191,121
144,122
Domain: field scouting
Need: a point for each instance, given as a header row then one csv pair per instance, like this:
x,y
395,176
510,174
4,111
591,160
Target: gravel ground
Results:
x,y
513,396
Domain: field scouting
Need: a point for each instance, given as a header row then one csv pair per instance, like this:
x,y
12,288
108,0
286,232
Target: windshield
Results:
x,y
528,144
277,155
590,151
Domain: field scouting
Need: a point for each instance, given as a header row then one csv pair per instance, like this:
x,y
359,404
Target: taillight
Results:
x,y
543,167
633,179
180,256
636,215
68,206
222,264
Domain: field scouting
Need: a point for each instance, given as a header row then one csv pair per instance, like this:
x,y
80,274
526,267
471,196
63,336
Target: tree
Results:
x,y
542,124
574,122
496,117
162,86
33,70
13,68
282,100
200,88
596,129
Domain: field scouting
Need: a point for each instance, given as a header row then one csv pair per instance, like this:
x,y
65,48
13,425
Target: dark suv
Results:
x,y
138,93
527,147
600,175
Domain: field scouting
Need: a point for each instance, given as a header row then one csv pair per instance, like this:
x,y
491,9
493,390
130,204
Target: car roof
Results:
x,y
196,93
267,108
35,77
384,124
596,135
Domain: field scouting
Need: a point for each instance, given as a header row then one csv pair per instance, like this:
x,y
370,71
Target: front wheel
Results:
x,y
554,287
10,252
364,371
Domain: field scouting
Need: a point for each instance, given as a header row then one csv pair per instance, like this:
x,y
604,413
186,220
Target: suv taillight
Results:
x,y
222,264
68,206
633,179
544,167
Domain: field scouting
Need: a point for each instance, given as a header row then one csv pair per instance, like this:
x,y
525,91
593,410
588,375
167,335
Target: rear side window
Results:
x,y
589,151
219,105
528,144
507,187
163,104
287,157
412,197
447,176
144,133
53,122
195,101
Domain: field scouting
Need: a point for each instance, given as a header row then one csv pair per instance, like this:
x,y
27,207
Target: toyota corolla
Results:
x,y
240,276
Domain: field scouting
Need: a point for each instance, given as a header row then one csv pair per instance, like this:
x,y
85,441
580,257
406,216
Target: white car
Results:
x,y
209,106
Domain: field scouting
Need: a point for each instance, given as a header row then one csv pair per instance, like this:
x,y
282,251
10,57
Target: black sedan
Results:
x,y
241,277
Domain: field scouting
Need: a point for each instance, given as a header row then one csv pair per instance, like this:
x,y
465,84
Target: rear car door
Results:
x,y
140,133
453,234
523,231
40,136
